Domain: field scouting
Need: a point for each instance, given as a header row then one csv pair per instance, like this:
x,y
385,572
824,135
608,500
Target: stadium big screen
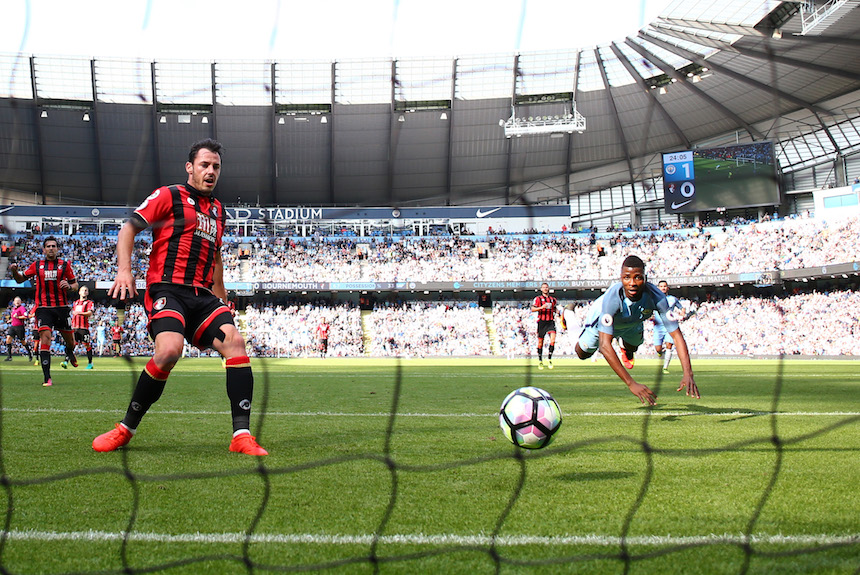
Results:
x,y
705,179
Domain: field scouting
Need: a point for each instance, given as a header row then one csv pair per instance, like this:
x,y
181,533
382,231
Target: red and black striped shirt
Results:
x,y
186,235
79,307
545,314
47,276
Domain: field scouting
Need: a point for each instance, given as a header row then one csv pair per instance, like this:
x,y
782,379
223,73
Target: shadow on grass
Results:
x,y
694,409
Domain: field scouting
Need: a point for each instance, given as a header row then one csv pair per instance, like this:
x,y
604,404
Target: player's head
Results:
x,y
204,165
633,276
50,247
663,285
544,288
16,302
84,292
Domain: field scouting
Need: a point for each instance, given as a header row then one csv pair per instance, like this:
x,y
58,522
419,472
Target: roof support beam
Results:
x,y
816,111
38,131
654,101
94,122
672,73
771,57
619,130
331,148
449,166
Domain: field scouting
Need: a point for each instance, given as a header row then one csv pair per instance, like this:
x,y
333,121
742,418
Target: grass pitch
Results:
x,y
400,467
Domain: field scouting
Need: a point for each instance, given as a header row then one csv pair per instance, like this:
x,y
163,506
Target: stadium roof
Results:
x,y
428,131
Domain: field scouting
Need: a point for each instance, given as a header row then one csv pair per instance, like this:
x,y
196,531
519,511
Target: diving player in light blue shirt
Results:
x,y
662,342
620,312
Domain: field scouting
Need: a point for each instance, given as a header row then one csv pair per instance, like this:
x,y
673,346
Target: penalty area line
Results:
x,y
440,539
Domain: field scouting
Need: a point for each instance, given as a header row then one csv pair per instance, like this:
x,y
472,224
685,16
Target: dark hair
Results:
x,y
50,239
633,262
209,144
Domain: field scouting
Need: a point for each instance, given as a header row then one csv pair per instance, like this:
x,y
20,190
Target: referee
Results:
x,y
546,307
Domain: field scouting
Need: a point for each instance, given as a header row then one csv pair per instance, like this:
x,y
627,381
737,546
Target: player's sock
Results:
x,y
148,390
89,354
540,354
45,360
240,390
70,354
549,354
667,358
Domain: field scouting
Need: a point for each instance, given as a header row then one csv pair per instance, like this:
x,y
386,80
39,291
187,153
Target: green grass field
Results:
x,y
760,475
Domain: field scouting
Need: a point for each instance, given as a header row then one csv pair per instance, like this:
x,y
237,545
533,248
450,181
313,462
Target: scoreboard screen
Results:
x,y
704,179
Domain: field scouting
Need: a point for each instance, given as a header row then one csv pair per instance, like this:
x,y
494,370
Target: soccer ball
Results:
x,y
529,417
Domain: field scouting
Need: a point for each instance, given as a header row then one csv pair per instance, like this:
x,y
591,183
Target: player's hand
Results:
x,y
64,284
13,268
688,383
123,286
645,395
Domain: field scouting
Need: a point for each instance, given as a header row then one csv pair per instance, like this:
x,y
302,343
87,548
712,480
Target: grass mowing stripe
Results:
x,y
439,539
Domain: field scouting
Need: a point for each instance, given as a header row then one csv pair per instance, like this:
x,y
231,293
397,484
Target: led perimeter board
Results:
x,y
704,179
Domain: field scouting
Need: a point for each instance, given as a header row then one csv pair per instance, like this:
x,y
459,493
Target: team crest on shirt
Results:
x,y
159,304
606,319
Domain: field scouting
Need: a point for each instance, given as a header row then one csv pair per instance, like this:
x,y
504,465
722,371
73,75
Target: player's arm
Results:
x,y
17,275
644,394
687,381
218,278
535,306
70,282
123,286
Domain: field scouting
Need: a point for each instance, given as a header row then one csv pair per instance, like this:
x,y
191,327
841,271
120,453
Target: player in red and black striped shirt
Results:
x,y
53,278
185,294
82,311
546,307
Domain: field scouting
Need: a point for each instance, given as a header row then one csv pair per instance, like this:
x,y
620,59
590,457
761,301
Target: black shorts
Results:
x,y
16,332
545,327
194,312
82,335
53,318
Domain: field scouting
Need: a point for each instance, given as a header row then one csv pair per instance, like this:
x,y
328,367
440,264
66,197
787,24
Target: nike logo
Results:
x,y
682,204
482,214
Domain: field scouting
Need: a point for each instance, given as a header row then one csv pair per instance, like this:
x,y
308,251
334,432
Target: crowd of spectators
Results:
x,y
812,324
735,248
291,330
808,324
422,329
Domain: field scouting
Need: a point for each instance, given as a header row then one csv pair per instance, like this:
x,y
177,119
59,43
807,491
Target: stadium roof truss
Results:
x,y
416,132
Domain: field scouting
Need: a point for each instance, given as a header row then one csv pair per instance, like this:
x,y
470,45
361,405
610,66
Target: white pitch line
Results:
x,y
643,413
440,539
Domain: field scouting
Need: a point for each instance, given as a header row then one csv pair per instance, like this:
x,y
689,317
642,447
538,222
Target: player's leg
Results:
x,y
659,334
45,336
69,340
169,339
550,348
9,346
540,351
223,336
588,343
667,354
